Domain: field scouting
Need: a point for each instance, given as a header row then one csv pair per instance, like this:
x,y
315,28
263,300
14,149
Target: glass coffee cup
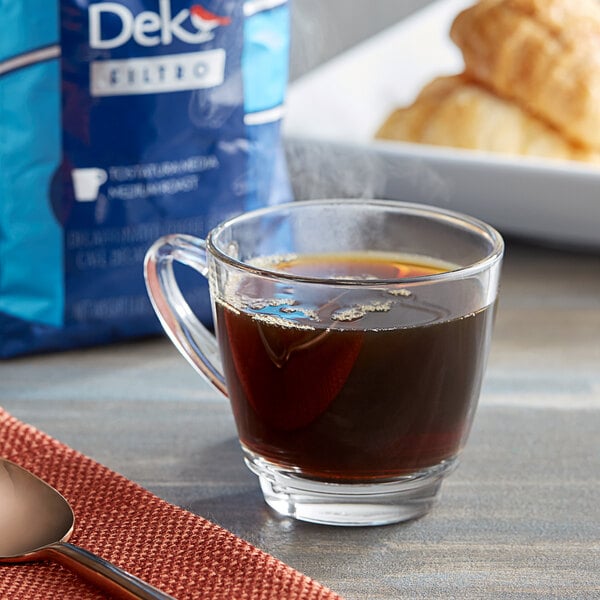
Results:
x,y
351,340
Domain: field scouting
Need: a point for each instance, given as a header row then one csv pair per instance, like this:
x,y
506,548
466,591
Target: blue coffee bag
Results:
x,y
120,122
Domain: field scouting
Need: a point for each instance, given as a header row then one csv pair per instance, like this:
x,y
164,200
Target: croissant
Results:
x,y
454,111
544,54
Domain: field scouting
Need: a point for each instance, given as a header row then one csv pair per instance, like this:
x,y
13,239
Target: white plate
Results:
x,y
334,111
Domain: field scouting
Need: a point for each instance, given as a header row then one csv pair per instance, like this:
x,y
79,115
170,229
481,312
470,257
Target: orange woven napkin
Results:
x,y
175,550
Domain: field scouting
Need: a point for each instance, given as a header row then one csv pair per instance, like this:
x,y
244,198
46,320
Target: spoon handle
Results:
x,y
102,573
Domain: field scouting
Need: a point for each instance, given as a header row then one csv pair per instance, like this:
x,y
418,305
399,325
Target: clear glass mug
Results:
x,y
351,340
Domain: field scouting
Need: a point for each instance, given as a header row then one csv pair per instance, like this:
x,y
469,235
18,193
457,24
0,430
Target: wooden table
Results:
x,y
520,517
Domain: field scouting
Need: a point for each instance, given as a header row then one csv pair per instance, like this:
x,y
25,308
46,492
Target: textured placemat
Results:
x,y
175,550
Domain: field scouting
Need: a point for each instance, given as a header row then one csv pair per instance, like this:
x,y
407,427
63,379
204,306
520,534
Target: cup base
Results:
x,y
356,504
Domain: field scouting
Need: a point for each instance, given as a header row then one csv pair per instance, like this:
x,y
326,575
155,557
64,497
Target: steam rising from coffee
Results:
x,y
329,170
321,30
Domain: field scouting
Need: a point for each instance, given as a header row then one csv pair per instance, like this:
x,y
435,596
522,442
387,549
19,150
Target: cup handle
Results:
x,y
195,342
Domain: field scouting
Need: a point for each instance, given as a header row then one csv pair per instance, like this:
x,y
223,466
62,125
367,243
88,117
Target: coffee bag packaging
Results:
x,y
120,122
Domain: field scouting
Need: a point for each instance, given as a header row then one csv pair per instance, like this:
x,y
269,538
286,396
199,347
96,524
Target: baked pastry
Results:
x,y
454,111
544,54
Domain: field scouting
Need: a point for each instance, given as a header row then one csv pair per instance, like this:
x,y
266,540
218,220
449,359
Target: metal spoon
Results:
x,y
36,522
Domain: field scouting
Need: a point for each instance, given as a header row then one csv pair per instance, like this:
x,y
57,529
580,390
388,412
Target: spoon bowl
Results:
x,y
36,523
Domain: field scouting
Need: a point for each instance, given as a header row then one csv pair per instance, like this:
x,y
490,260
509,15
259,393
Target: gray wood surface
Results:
x,y
519,519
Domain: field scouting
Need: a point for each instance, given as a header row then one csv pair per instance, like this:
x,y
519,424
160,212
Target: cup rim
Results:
x,y
494,256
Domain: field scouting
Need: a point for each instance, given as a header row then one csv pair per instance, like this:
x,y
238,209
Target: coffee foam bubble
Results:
x,y
354,313
281,322
283,312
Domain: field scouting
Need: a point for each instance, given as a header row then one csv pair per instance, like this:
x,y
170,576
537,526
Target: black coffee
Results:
x,y
335,394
